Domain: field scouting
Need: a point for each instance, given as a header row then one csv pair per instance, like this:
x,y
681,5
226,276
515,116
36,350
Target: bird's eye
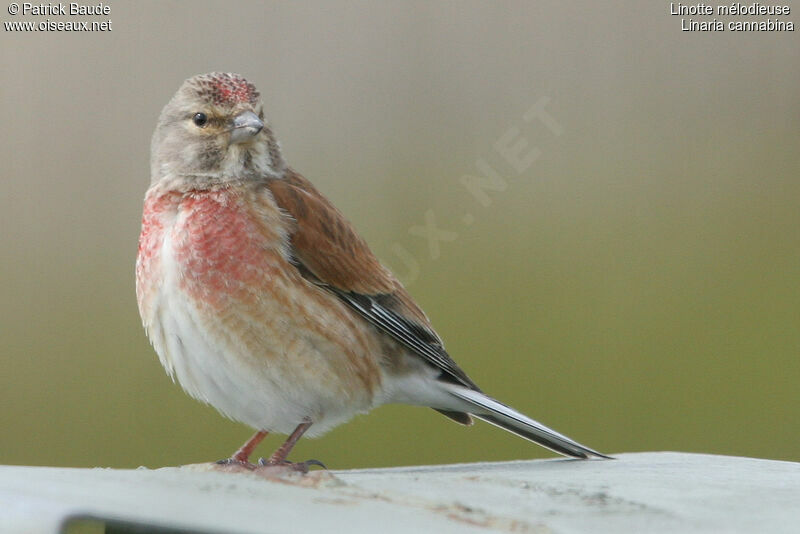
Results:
x,y
200,119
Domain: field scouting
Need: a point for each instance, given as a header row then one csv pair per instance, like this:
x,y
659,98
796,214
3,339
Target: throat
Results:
x,y
250,162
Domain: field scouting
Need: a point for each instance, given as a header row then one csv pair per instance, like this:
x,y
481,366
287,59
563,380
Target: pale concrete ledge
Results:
x,y
645,492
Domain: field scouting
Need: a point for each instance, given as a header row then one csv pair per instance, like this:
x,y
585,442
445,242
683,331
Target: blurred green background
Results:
x,y
636,287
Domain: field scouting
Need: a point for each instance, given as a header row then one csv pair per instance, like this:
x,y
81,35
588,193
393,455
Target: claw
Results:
x,y
315,462
234,461
301,467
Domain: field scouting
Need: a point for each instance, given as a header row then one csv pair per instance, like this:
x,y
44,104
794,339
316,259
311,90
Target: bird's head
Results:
x,y
213,131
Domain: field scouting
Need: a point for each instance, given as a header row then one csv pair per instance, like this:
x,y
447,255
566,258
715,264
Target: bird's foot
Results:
x,y
286,465
236,463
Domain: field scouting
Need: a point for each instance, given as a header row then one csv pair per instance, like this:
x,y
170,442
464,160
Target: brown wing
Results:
x,y
328,251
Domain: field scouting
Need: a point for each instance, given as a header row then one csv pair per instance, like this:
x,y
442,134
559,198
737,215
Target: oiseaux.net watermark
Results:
x,y
58,17
517,154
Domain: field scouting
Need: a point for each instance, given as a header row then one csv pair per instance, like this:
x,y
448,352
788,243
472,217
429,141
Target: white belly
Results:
x,y
216,367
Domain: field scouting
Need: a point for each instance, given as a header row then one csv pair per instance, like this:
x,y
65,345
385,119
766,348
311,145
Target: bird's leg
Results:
x,y
244,452
242,456
278,458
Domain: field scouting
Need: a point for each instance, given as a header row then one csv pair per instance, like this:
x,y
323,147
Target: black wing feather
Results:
x,y
411,335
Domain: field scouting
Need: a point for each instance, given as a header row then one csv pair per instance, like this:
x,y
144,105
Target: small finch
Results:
x,y
263,301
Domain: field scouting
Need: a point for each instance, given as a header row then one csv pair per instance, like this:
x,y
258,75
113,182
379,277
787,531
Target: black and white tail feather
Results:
x,y
467,398
505,417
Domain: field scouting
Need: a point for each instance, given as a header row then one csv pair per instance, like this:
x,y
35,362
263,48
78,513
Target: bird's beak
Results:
x,y
246,125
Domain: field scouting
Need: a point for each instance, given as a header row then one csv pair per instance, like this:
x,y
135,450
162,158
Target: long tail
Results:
x,y
497,413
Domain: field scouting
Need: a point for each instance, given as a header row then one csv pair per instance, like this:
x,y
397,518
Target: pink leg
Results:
x,y
279,456
244,452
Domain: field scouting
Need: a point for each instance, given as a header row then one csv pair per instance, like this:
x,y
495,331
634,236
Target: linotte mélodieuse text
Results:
x,y
755,9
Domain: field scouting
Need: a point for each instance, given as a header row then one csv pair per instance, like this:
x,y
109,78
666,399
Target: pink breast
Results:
x,y
159,213
224,252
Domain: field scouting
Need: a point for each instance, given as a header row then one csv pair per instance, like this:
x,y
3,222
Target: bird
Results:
x,y
262,300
